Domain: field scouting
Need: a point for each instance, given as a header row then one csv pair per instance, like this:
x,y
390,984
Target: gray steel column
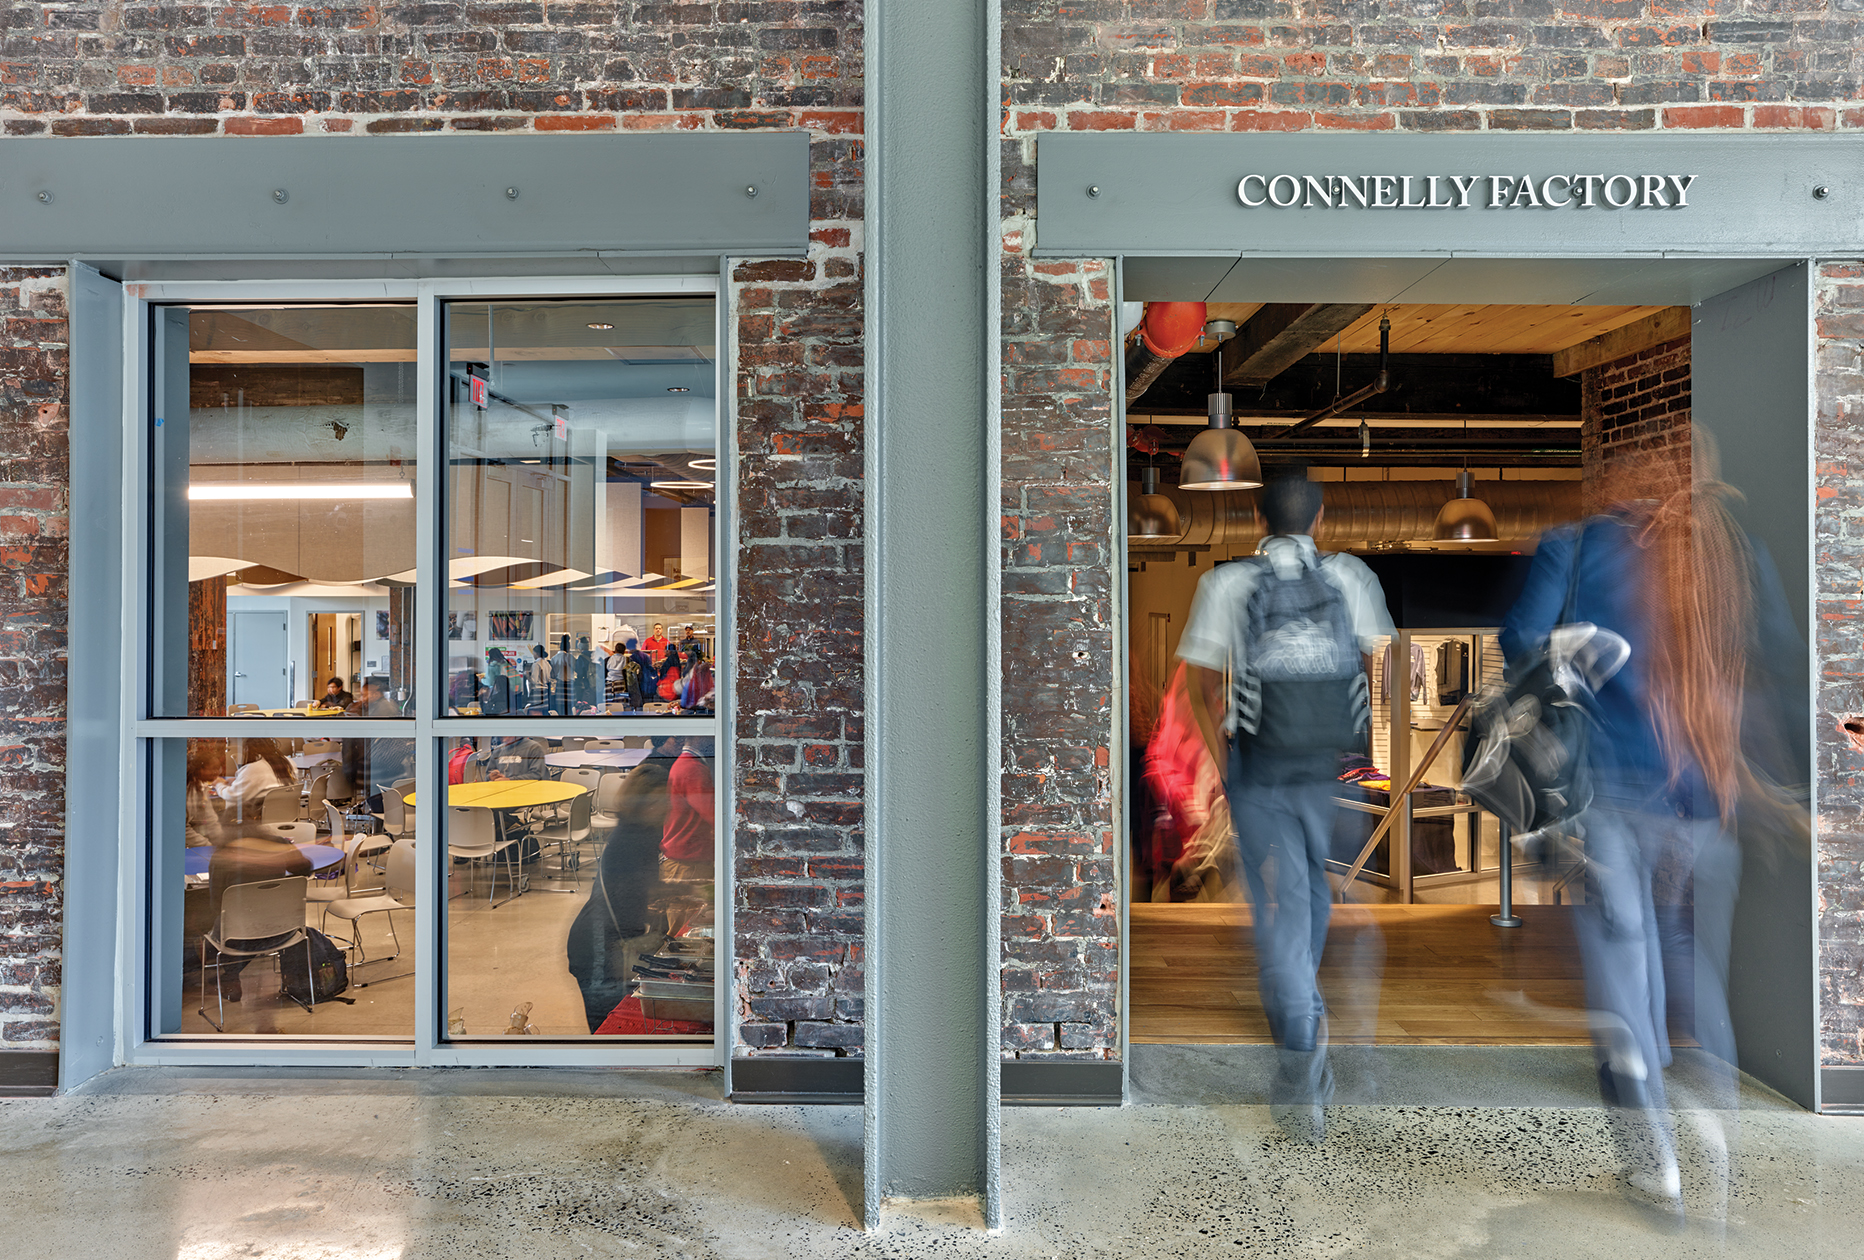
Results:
x,y
932,602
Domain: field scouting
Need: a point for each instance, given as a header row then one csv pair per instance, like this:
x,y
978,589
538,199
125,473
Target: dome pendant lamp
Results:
x,y
1220,458
1152,517
1465,519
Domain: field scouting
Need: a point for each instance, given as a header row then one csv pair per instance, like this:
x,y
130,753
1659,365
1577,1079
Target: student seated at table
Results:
x,y
375,701
264,766
244,855
206,766
336,696
516,757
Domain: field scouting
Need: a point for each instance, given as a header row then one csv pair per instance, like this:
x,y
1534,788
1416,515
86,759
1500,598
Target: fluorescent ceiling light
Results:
x,y
706,464
681,485
301,490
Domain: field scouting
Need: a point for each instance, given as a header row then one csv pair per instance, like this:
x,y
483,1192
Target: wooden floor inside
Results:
x,y
1392,974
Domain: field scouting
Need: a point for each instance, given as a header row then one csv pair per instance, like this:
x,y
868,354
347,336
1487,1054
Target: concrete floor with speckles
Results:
x,y
469,1164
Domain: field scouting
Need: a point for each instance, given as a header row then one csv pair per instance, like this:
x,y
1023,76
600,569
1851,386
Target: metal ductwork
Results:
x,y
1369,513
1167,332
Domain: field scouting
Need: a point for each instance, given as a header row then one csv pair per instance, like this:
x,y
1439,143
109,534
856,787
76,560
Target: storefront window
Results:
x,y
284,508
567,565
580,886
581,530
275,858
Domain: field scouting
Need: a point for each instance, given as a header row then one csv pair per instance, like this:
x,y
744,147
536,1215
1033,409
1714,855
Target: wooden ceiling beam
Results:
x,y
1668,324
1279,336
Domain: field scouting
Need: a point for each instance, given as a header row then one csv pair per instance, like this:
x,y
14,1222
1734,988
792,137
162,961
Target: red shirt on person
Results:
x,y
688,834
655,647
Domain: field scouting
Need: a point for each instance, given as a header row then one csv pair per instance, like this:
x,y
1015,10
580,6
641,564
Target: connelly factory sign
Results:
x,y
1465,192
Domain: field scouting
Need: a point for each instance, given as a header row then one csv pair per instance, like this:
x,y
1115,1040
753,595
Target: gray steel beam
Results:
x,y
932,1081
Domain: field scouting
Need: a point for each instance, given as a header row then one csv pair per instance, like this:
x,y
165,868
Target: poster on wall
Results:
x,y
462,625
381,623
507,625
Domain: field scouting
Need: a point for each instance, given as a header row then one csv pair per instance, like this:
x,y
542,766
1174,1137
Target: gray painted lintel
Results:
x,y
1156,194
416,196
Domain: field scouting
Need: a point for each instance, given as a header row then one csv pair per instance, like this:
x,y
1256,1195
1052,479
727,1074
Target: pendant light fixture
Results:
x,y
1152,517
1465,519
1220,458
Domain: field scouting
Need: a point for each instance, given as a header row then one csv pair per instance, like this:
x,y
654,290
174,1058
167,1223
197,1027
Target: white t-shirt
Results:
x,y
254,780
1215,634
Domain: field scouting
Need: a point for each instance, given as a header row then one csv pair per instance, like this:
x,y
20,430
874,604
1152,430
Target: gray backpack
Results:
x,y
1302,688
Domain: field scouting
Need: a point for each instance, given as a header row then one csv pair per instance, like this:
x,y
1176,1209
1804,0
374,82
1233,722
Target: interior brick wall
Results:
x,y
1312,66
1838,565
347,72
1636,407
34,530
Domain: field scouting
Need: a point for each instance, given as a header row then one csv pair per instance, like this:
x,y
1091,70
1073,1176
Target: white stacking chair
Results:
x,y
279,804
608,799
569,836
316,795
396,894
603,745
270,912
471,835
589,777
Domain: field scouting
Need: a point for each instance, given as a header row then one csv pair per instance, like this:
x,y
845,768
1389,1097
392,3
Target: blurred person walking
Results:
x,y
1673,755
1294,630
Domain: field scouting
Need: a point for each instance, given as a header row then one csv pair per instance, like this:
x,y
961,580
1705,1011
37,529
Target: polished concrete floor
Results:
x,y
190,1165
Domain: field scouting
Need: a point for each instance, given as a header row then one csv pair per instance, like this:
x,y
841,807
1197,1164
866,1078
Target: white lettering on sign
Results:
x,y
1453,192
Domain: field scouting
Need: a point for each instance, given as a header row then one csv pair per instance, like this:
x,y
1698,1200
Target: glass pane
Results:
x,y
581,523
261,840
284,444
580,886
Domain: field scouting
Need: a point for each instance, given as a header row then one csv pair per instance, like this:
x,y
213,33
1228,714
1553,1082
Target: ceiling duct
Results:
x,y
1368,514
1169,330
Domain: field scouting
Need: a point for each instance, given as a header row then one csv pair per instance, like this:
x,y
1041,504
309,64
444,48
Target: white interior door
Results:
x,y
260,660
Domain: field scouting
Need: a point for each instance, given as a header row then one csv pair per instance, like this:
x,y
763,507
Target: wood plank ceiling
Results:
x,y
1436,329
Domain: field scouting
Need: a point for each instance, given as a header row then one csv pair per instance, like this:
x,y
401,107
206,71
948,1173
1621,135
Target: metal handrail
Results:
x,y
1399,798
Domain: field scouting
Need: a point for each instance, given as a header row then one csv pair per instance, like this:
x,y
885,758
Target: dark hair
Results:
x,y
563,643
262,749
337,681
1289,505
537,649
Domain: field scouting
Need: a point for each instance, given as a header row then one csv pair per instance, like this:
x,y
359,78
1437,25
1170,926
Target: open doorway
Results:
x,y
336,652
1397,409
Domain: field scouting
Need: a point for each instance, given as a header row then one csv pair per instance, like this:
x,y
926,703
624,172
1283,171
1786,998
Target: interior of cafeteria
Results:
x,y
575,472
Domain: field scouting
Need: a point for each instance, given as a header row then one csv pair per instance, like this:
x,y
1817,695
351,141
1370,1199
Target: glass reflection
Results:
x,y
581,524
580,886
294,855
284,444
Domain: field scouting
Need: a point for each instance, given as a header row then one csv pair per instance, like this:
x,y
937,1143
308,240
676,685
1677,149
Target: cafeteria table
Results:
x,y
507,794
601,758
194,860
504,794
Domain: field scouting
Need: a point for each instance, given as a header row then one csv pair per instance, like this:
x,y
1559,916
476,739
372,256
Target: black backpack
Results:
x,y
314,970
1302,688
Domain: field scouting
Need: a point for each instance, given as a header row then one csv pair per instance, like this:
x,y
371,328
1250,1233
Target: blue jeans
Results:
x,y
1634,946
1284,836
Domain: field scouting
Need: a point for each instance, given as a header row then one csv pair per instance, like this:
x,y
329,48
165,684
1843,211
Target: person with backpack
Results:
x,y
1292,628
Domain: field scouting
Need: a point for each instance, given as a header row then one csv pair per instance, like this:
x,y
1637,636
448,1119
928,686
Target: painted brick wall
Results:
x,y
33,531
1635,406
1838,522
1295,65
337,73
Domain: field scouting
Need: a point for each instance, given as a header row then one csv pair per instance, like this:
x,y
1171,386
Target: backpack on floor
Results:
x,y
314,971
1302,688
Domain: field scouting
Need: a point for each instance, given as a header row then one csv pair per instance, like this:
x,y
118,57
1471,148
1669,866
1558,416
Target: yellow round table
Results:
x,y
507,794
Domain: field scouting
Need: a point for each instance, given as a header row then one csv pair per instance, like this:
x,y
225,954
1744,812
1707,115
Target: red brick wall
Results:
x,y
33,554
1636,407
1274,65
1838,567
337,73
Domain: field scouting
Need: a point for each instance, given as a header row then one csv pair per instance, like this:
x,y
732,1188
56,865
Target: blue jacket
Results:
x,y
1627,762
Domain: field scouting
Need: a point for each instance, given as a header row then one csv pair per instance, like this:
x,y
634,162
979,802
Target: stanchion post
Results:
x,y
1507,918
